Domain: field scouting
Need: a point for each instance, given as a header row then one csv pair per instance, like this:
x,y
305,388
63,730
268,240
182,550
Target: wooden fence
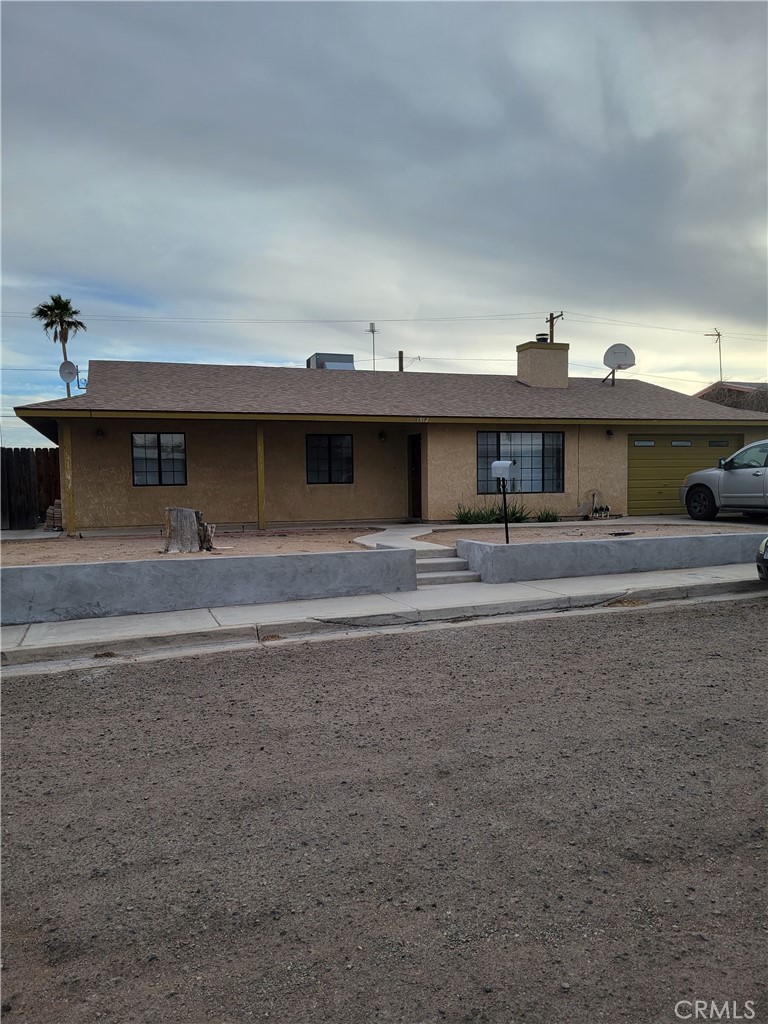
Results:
x,y
30,484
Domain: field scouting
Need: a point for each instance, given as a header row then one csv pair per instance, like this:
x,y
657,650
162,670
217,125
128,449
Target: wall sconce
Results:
x,y
609,433
99,434
382,436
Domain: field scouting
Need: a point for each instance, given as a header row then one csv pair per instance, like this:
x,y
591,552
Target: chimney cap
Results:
x,y
542,337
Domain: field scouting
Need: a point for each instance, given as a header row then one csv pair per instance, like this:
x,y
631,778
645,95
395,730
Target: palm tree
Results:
x,y
59,316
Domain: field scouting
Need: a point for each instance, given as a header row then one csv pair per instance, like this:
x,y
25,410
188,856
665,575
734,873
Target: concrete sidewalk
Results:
x,y
450,603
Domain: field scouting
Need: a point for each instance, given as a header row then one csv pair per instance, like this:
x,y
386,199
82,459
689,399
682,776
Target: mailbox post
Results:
x,y
502,470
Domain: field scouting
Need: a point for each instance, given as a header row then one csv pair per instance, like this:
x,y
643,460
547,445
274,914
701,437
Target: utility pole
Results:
x,y
373,332
400,361
719,349
551,320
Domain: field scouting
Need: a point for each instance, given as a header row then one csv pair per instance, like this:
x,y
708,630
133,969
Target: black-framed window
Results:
x,y
159,460
329,459
538,457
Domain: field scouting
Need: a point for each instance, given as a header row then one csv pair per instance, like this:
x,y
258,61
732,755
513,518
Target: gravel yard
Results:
x,y
556,820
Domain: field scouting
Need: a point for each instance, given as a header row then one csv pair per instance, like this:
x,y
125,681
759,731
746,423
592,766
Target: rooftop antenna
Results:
x,y
373,332
69,371
719,349
618,357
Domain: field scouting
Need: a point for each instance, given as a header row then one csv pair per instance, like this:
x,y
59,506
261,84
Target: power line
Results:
x,y
249,320
463,359
606,321
659,376
598,320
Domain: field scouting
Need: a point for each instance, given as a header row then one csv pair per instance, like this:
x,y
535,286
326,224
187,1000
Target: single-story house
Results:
x,y
269,446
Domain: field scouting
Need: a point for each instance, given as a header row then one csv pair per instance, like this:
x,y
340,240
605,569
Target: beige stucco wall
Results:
x,y
593,462
221,473
380,488
755,433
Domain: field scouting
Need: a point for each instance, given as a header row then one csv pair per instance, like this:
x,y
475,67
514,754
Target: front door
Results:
x,y
744,481
414,476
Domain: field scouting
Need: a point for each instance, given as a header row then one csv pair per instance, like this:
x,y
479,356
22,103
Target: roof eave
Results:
x,y
44,425
45,421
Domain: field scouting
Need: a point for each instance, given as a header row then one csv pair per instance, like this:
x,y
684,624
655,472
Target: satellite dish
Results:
x,y
67,371
619,357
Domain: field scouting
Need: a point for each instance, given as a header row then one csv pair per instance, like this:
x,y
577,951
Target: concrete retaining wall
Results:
x,y
52,593
512,563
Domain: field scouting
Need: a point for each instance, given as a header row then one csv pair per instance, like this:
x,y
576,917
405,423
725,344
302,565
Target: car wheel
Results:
x,y
700,503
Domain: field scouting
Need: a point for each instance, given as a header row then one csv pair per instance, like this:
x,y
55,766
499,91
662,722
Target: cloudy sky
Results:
x,y
252,182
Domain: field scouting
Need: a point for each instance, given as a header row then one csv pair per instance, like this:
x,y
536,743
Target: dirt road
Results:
x,y
549,821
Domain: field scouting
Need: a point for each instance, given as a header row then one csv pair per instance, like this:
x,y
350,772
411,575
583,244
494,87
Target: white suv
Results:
x,y
737,484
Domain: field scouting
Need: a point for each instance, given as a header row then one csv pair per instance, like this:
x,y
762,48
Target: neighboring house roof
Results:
x,y
192,388
737,394
732,385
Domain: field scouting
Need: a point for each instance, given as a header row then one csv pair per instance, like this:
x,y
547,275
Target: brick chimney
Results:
x,y
543,364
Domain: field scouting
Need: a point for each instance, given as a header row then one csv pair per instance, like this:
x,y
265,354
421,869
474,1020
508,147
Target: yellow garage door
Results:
x,y
658,463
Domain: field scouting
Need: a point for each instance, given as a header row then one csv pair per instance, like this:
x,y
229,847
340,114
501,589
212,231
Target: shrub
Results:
x,y
478,513
491,514
516,511
547,515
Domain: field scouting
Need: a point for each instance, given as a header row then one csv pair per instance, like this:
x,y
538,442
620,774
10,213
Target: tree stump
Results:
x,y
186,530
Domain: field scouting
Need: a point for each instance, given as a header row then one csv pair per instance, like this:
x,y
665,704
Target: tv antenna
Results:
x,y
373,332
618,357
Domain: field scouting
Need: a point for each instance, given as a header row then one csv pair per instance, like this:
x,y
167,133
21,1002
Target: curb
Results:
x,y
261,634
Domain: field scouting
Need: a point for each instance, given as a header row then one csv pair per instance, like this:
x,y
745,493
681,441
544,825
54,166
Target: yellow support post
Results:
x,y
261,478
67,482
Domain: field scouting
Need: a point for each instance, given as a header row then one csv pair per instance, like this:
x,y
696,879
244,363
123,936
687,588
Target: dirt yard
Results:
x,y
130,549
595,530
558,821
60,549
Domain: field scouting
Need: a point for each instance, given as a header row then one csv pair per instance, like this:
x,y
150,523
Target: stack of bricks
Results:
x,y
53,520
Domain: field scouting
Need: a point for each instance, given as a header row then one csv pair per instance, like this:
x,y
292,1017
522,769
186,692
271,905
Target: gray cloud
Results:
x,y
362,160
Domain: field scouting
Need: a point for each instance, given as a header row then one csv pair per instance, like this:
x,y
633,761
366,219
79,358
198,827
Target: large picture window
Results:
x,y
159,459
538,457
329,459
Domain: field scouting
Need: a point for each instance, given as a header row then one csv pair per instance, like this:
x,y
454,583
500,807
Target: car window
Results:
x,y
751,458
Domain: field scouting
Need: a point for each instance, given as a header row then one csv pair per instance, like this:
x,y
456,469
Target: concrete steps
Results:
x,y
440,568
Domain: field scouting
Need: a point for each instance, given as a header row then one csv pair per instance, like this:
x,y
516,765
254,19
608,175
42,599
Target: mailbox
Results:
x,y
503,470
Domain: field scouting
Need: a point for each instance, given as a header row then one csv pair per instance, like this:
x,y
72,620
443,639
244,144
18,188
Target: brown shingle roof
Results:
x,y
116,386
